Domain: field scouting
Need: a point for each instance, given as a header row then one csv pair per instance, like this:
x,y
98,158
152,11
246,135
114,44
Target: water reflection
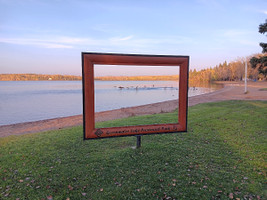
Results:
x,y
118,94
24,101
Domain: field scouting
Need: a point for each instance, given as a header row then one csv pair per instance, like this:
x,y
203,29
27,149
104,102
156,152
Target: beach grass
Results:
x,y
222,156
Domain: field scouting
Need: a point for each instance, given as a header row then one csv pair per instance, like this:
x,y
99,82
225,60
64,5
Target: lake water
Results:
x,y
25,101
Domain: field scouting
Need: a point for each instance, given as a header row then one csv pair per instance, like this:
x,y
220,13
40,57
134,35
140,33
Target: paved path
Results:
x,y
231,91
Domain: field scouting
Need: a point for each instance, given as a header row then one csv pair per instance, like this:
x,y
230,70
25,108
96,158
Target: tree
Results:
x,y
263,30
260,63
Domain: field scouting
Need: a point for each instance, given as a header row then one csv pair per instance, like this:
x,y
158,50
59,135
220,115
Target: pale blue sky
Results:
x,y
48,36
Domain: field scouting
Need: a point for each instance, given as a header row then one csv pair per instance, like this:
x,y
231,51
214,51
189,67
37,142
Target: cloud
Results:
x,y
64,41
78,42
237,36
36,42
122,38
234,33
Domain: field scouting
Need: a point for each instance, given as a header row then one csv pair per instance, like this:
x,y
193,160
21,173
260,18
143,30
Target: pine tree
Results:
x,y
261,62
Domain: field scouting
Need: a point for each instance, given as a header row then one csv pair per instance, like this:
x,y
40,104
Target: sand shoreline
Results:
x,y
230,91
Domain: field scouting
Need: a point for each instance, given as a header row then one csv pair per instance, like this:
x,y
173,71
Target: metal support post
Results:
x,y
138,142
246,71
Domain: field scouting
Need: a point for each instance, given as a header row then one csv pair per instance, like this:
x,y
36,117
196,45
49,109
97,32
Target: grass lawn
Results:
x,y
222,156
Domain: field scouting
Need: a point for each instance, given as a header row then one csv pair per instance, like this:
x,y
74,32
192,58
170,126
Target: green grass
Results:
x,y
263,89
223,155
143,120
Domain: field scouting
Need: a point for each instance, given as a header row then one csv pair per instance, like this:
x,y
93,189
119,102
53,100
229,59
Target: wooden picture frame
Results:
x,y
88,62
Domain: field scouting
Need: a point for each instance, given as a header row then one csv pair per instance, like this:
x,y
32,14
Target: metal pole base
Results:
x,y
138,142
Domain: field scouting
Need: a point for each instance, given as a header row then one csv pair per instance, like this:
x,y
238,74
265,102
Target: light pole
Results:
x,y
246,71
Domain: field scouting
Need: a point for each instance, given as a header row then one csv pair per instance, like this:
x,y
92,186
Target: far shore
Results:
x,y
57,77
230,91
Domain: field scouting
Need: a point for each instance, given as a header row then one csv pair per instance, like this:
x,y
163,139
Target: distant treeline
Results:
x,y
138,78
38,77
233,71
45,77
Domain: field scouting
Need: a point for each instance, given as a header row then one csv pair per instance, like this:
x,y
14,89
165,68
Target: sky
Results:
x,y
48,36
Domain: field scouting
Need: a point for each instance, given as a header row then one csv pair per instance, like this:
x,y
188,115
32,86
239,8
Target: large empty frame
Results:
x,y
88,62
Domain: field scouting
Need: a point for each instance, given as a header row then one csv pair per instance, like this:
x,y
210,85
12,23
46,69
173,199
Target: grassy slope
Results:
x,y
222,155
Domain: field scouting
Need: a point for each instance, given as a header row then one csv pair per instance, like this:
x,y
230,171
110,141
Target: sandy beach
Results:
x,y
230,91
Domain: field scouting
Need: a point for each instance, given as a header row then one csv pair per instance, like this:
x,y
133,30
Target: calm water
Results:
x,y
25,101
